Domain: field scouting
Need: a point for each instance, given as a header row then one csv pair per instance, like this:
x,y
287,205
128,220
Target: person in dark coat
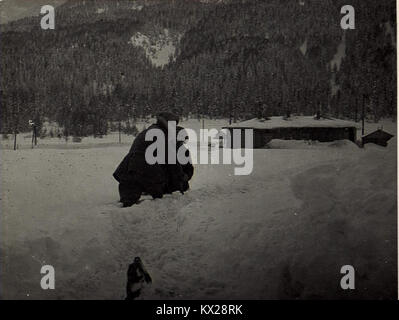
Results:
x,y
135,175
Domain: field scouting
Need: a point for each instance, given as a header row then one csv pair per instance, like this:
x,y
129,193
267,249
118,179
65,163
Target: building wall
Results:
x,y
322,134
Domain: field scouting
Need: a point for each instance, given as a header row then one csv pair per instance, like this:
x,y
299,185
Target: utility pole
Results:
x,y
203,127
230,113
16,115
119,122
15,139
34,133
119,129
363,115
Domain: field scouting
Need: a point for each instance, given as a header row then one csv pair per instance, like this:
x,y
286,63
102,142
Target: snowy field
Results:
x,y
282,232
24,140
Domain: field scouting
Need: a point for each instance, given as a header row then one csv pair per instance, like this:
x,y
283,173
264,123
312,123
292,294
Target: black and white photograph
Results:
x,y
171,150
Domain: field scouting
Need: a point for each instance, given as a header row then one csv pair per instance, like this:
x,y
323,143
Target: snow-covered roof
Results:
x,y
379,133
293,122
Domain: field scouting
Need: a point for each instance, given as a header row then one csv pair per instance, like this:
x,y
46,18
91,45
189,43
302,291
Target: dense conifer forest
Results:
x,y
233,59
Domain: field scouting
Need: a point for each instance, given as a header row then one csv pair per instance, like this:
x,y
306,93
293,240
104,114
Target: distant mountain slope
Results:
x,y
229,58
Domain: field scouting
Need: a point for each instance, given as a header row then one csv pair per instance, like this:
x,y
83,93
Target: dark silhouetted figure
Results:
x,y
137,279
137,177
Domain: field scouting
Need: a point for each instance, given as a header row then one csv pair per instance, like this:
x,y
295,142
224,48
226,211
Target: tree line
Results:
x,y
236,59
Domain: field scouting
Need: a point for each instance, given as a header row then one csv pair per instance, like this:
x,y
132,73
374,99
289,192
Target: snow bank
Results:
x,y
310,144
282,232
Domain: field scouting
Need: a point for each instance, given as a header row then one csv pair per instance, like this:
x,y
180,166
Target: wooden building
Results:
x,y
294,128
379,137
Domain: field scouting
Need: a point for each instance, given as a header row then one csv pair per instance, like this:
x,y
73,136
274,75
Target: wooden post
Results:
x,y
363,116
203,127
119,129
16,124
231,113
34,138
356,108
33,135
15,139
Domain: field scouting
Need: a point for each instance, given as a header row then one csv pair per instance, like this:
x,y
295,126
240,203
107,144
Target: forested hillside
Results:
x,y
234,59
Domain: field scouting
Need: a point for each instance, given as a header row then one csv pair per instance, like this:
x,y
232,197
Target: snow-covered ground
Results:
x,y
24,140
282,232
